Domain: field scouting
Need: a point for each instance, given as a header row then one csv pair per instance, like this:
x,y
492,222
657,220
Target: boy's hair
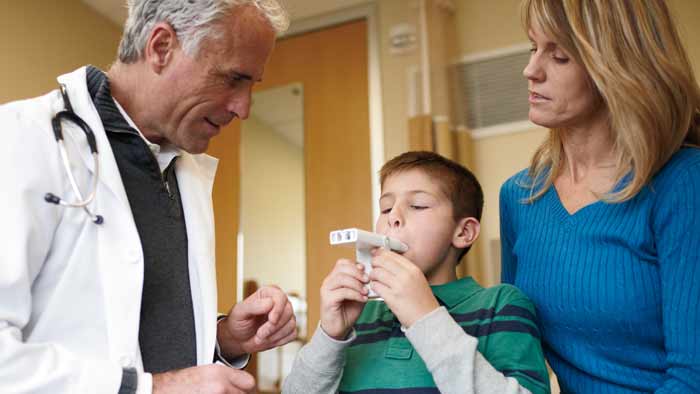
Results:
x,y
458,184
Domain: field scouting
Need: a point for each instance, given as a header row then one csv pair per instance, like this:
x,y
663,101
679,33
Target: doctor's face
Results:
x,y
206,92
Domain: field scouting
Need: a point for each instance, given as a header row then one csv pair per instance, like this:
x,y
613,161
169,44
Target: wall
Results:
x,y
686,13
43,39
395,74
272,208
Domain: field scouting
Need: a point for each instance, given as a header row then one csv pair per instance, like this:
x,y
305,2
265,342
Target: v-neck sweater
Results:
x,y
616,285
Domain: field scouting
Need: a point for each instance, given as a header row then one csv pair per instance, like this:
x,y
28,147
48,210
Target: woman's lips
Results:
x,y
535,97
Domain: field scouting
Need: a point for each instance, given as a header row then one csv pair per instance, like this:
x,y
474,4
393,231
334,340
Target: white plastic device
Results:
x,y
364,242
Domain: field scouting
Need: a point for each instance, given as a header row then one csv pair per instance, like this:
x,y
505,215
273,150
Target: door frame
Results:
x,y
376,115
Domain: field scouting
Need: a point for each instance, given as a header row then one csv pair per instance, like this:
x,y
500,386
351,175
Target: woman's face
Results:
x,y
561,93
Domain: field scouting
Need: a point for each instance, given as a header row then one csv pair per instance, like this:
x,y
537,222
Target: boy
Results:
x,y
432,333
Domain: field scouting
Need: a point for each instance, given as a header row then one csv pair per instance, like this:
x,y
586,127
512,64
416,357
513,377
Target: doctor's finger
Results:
x,y
287,315
253,306
290,327
279,299
289,338
242,381
269,328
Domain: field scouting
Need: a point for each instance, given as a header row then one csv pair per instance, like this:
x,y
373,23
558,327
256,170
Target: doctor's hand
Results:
x,y
343,296
213,378
402,285
262,321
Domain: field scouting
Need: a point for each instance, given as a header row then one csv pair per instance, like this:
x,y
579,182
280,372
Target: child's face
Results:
x,y
415,210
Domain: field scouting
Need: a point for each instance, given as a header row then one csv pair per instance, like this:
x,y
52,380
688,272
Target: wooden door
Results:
x,y
332,66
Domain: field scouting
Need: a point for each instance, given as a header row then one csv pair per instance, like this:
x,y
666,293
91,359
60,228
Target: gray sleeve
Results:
x,y
130,381
318,366
452,358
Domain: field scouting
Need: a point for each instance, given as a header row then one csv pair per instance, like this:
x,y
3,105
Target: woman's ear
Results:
x,y
160,47
466,232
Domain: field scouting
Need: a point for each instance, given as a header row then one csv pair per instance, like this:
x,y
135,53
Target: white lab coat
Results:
x,y
70,290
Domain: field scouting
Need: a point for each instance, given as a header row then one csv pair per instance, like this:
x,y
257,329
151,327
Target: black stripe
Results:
x,y
479,314
372,338
483,314
412,390
531,374
475,330
376,324
482,330
517,311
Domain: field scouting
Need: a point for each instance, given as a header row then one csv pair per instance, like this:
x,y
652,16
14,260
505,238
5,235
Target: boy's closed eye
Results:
x,y
412,206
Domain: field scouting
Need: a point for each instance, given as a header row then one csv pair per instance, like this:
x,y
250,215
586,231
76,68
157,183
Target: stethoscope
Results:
x,y
68,114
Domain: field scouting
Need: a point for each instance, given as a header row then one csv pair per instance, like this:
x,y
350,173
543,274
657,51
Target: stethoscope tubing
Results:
x,y
68,114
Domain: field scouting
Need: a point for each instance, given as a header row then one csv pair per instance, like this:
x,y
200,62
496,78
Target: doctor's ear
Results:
x,y
466,232
160,46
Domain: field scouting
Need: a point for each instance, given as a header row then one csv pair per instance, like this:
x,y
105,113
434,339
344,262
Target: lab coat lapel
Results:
x,y
195,177
119,250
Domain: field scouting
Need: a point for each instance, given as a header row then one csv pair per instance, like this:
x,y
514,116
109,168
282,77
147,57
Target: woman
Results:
x,y
602,231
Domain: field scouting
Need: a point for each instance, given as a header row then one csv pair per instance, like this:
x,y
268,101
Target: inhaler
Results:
x,y
364,242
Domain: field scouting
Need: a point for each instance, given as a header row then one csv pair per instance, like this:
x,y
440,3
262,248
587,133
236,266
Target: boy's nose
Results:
x,y
395,219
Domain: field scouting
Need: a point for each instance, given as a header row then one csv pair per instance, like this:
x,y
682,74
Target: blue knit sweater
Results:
x,y
616,286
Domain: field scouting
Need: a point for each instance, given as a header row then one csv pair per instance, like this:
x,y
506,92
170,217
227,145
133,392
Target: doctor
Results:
x,y
129,305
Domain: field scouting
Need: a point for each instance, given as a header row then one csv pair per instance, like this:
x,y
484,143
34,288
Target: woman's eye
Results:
x,y
418,207
560,60
385,211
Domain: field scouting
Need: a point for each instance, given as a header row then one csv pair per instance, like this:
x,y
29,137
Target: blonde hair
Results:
x,y
638,66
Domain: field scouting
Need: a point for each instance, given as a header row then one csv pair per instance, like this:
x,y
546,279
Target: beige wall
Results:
x,y
43,39
395,74
272,208
687,13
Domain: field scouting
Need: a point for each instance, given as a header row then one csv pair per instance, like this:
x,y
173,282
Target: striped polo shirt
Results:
x,y
382,360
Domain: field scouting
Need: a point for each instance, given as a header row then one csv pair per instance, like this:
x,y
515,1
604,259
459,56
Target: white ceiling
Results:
x,y
282,109
115,10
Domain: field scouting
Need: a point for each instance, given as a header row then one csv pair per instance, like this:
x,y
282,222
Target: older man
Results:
x,y
108,276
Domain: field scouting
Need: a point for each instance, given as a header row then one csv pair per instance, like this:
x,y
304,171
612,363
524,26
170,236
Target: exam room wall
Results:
x,y
43,39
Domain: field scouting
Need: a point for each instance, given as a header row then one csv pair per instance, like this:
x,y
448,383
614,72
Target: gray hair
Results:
x,y
192,20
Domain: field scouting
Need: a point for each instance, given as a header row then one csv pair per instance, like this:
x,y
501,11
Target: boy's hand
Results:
x,y
343,295
402,285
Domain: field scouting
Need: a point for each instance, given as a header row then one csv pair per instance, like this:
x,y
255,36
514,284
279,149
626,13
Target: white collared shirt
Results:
x,y
164,153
